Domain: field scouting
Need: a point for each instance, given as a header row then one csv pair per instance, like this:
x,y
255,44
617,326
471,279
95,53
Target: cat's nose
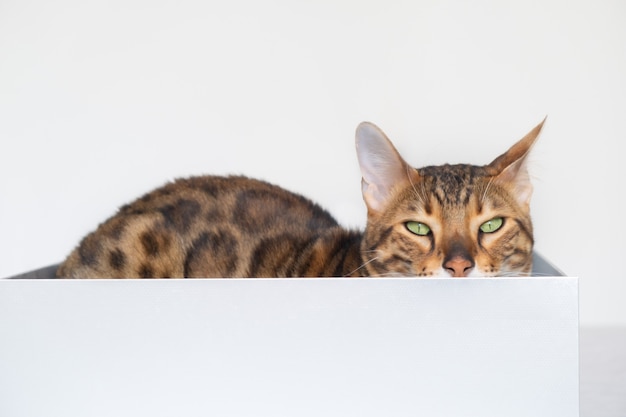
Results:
x,y
459,266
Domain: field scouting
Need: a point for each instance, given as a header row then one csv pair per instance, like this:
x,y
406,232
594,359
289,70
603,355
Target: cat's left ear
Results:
x,y
510,169
382,167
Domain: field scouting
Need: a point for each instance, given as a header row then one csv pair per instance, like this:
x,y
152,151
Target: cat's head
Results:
x,y
449,220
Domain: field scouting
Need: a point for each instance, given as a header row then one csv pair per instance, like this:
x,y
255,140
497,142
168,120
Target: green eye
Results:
x,y
492,225
418,228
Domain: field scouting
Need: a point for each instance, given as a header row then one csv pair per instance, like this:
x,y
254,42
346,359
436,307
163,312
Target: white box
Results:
x,y
396,347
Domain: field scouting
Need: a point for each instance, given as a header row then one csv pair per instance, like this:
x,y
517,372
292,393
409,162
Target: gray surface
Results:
x,y
603,372
296,348
46,272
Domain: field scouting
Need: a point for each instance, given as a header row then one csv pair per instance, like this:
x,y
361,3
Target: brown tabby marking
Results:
x,y
449,220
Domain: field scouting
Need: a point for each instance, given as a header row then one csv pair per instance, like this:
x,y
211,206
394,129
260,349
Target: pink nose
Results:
x,y
459,266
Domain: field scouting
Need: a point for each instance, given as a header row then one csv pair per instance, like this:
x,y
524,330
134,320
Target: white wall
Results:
x,y
101,101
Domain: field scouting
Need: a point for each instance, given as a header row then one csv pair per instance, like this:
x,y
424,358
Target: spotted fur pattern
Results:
x,y
235,226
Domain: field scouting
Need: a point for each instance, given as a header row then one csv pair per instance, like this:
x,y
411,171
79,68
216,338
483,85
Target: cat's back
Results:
x,y
200,226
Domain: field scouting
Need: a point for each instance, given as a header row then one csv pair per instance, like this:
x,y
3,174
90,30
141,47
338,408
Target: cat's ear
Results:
x,y
510,168
382,167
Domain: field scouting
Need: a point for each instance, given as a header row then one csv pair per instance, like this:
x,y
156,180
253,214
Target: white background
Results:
x,y
102,101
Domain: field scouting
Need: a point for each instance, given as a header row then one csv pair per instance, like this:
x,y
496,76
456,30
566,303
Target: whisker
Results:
x,y
389,275
541,274
420,197
362,266
507,274
484,196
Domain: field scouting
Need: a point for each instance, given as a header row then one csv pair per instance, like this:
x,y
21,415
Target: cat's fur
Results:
x,y
239,227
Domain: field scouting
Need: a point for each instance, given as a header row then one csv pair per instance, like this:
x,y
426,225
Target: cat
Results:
x,y
437,221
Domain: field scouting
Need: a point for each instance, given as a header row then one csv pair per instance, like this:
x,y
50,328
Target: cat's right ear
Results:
x,y
382,167
510,168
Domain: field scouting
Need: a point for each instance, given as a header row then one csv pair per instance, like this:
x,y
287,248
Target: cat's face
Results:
x,y
449,220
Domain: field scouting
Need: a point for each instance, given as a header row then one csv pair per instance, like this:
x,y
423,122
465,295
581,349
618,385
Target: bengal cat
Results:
x,y
437,221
